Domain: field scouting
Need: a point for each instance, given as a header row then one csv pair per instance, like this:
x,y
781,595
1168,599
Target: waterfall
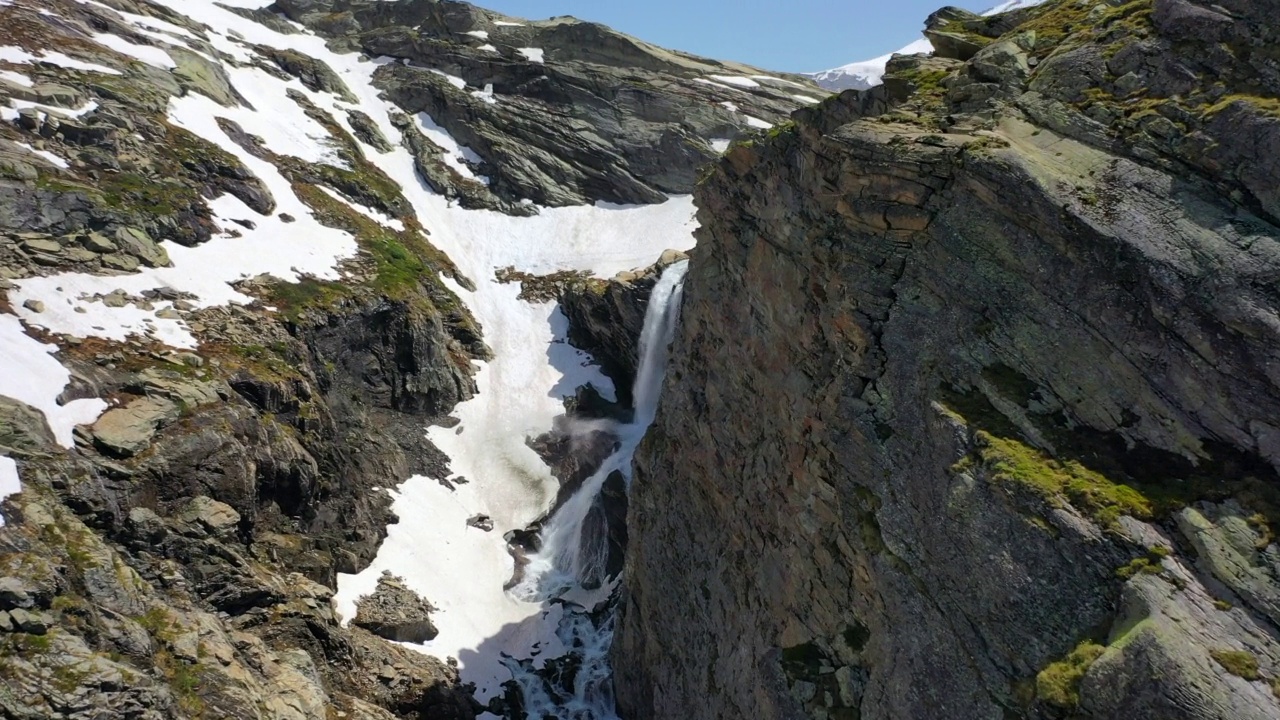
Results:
x,y
574,550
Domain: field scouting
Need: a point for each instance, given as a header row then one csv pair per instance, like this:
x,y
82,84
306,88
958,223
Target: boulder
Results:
x,y
395,612
128,430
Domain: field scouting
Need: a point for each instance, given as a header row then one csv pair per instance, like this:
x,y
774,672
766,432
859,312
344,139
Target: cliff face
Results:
x,y
971,411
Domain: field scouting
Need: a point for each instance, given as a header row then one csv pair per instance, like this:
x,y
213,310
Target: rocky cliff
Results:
x,y
972,409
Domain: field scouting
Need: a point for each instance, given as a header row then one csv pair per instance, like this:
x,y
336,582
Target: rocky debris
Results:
x,y
128,430
944,361
395,612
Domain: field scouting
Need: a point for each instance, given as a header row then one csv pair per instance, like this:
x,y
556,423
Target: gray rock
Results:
x,y
395,612
14,593
138,243
33,305
30,622
128,430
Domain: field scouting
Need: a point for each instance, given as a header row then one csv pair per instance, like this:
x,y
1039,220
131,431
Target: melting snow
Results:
x,y
531,54
482,34
459,568
454,152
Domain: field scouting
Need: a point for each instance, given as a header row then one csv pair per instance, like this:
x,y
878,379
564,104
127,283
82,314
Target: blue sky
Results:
x,y
788,35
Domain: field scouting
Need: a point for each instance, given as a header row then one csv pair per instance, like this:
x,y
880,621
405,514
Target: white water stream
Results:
x,y
573,552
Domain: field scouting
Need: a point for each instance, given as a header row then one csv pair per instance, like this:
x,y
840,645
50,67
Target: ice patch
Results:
x,y
531,54
33,376
9,483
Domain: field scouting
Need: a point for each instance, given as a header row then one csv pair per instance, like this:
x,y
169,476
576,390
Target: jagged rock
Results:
x,y
395,612
14,594
128,430
313,73
367,131
23,430
216,517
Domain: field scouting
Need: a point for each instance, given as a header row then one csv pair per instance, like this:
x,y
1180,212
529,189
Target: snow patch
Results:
x,y
19,56
867,73
756,122
504,23
805,99
454,80
531,54
54,159
148,54
720,144
743,82
33,376
482,34
9,483
16,78
488,48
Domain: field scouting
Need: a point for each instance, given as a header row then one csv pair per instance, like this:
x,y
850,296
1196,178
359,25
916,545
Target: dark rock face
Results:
x,y
600,116
970,411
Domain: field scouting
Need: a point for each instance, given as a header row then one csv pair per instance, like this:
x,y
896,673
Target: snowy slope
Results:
x,y
867,73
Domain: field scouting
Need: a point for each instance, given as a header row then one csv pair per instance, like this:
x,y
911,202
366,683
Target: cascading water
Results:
x,y
574,550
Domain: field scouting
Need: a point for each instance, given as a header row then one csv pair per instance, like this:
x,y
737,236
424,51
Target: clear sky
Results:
x,y
785,35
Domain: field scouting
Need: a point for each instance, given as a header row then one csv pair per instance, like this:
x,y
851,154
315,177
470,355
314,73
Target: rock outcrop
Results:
x,y
395,612
971,409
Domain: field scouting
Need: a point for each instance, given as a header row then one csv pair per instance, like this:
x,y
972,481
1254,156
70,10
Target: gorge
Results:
x,y
371,359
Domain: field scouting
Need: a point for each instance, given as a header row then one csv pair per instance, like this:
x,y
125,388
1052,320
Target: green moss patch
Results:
x,y
1060,482
1237,662
1059,683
